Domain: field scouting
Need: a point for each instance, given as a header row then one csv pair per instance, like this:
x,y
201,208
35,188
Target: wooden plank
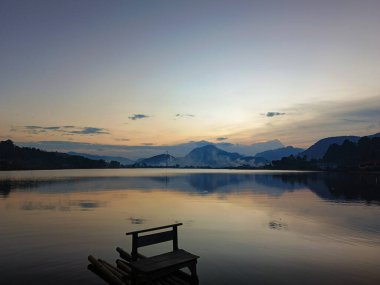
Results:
x,y
163,261
182,275
154,229
175,238
141,256
168,270
177,280
134,246
154,238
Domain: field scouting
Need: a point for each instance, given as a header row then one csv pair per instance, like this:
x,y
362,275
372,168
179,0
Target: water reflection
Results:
x,y
136,221
277,225
70,205
328,186
337,186
5,188
314,228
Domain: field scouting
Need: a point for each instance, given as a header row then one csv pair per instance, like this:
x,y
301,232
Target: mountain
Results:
x,y
122,160
318,150
252,161
134,152
211,156
13,157
365,154
161,160
277,154
250,150
374,136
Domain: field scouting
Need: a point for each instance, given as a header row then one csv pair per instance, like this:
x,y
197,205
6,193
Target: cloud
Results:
x,y
179,115
221,139
225,144
89,130
272,114
138,117
64,130
52,128
316,120
33,127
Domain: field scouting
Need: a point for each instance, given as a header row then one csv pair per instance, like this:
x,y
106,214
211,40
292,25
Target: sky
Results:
x,y
168,72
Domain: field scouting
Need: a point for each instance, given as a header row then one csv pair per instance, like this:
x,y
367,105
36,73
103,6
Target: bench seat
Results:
x,y
173,259
150,268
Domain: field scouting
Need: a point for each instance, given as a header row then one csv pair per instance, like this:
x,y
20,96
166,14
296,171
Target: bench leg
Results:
x,y
194,276
133,277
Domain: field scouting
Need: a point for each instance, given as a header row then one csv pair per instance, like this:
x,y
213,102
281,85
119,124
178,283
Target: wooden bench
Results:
x,y
151,268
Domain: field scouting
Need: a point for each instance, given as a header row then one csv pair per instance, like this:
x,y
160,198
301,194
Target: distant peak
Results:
x,y
208,146
206,149
7,142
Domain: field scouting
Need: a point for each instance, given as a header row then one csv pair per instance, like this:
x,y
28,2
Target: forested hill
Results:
x,y
361,155
365,154
13,157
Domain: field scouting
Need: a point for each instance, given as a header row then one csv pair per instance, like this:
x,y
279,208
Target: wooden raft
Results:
x,y
163,269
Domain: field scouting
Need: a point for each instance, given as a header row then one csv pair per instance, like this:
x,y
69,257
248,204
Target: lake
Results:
x,y
248,227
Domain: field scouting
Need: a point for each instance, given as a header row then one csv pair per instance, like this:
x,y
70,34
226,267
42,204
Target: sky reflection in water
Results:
x,y
248,227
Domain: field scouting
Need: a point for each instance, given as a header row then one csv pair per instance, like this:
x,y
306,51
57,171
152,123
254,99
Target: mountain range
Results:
x,y
136,152
204,155
212,156
319,149
208,156
161,160
106,158
276,154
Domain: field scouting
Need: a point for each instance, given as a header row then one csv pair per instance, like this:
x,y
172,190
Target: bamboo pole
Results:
x,y
116,271
123,266
111,277
123,254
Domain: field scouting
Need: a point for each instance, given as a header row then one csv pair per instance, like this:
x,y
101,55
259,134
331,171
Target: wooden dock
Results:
x,y
136,269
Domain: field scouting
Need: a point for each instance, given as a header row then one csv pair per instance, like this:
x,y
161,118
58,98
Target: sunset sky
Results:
x,y
168,72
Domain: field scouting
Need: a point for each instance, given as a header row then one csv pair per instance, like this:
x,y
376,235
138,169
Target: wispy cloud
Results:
x,y
179,115
64,130
89,130
138,117
33,127
273,114
221,139
52,128
313,121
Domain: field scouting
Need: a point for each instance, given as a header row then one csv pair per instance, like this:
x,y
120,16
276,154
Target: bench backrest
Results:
x,y
149,239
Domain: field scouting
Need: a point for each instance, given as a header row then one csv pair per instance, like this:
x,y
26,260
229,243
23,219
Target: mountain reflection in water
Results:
x,y
328,186
248,227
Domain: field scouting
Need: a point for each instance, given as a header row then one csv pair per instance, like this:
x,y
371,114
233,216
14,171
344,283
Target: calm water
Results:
x,y
249,227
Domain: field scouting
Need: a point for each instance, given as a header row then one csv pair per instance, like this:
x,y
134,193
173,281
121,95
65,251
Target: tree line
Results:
x,y
13,157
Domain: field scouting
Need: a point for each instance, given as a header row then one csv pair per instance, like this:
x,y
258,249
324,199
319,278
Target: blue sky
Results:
x,y
168,72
